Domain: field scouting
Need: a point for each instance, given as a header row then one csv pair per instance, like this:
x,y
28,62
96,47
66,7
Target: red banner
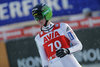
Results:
x,y
84,23
30,31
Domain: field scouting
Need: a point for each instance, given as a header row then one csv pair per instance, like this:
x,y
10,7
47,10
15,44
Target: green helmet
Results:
x,y
41,11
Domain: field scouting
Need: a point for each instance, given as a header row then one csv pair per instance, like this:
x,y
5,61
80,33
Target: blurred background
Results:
x,y
18,29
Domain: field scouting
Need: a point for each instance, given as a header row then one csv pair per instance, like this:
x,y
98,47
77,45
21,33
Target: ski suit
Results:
x,y
53,37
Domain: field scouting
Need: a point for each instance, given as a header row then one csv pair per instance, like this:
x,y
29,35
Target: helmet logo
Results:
x,y
46,12
35,9
35,14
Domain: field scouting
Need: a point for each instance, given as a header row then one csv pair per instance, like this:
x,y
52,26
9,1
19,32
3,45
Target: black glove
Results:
x,y
62,52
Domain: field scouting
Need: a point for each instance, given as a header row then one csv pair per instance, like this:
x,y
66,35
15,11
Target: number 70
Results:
x,y
58,46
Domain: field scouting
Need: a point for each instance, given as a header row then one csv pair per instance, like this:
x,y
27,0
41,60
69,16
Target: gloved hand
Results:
x,y
62,52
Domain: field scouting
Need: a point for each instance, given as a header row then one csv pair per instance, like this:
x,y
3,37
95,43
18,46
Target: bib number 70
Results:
x,y
56,44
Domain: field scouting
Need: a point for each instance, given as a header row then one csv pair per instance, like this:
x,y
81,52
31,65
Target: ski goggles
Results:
x,y
38,16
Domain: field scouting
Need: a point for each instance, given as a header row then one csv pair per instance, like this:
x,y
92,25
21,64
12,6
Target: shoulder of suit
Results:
x,y
65,26
60,24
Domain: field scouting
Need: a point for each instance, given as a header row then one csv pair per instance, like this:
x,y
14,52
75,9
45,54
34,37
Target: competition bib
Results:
x,y
52,45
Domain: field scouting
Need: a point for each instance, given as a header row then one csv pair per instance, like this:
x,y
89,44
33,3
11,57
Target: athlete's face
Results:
x,y
41,22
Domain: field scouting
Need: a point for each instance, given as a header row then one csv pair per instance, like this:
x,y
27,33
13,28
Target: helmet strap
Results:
x,y
46,23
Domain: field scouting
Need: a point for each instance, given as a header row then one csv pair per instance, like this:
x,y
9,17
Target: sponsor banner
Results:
x,y
91,55
17,33
84,23
30,31
23,52
16,11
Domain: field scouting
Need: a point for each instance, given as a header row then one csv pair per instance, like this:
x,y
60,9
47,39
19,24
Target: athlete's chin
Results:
x,y
41,25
